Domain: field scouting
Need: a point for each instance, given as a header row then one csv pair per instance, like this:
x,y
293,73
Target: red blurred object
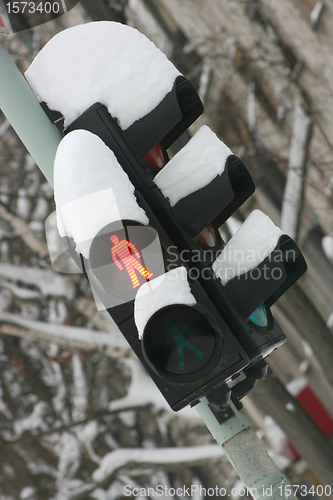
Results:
x,y
155,157
313,407
316,411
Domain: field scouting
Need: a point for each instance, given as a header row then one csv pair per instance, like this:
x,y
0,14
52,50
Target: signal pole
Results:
x,y
246,453
23,110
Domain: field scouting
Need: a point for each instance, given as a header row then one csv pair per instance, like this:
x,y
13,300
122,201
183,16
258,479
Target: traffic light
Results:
x,y
194,309
124,253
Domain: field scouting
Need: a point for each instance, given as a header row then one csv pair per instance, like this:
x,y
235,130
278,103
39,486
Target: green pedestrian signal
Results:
x,y
174,332
180,341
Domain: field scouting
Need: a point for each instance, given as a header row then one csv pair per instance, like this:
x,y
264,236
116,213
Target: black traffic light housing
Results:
x,y
236,343
176,226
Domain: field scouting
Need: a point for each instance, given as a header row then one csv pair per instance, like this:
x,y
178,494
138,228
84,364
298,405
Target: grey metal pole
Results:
x,y
246,454
23,111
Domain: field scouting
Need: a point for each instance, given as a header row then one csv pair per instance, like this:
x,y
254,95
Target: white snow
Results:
x,y
294,183
83,336
91,189
303,367
205,78
316,13
23,204
142,391
170,288
329,322
79,389
41,211
103,62
86,435
254,241
69,453
32,422
128,418
119,458
296,386
20,293
57,381
3,407
251,107
151,26
28,493
194,166
327,245
307,348
47,281
57,311
275,435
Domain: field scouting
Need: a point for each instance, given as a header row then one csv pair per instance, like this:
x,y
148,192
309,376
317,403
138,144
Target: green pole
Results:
x,y
23,111
246,454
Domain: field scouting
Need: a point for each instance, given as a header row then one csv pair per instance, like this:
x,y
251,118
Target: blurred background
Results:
x,y
79,418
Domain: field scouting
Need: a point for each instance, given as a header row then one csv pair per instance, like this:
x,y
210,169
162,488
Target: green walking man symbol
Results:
x,y
174,332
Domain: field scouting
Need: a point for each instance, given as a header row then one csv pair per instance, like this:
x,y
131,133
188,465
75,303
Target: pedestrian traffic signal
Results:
x,y
123,256
194,312
181,343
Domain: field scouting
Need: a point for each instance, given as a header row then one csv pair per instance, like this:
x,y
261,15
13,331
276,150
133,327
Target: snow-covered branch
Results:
x,y
82,338
292,203
24,231
117,459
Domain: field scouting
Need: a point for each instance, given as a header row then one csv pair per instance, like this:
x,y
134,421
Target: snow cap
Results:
x,y
256,239
327,246
194,166
170,288
104,62
91,189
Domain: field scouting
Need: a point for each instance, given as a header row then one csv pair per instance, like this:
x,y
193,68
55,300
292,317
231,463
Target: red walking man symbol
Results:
x,y
122,250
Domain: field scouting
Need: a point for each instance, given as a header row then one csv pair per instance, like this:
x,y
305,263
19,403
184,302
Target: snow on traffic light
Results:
x,y
146,227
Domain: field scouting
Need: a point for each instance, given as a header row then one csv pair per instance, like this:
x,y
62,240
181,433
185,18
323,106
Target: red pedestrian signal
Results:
x,y
123,256
123,250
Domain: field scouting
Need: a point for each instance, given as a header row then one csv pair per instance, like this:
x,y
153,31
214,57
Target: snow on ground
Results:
x,y
103,62
170,288
194,166
253,242
91,189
